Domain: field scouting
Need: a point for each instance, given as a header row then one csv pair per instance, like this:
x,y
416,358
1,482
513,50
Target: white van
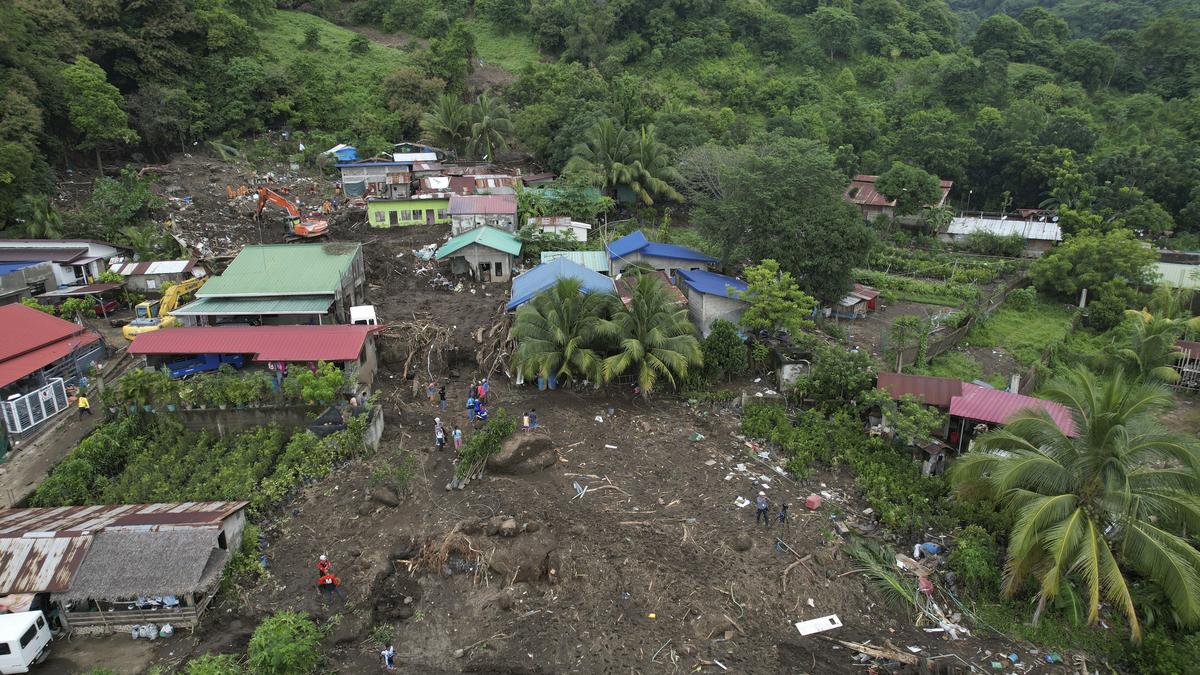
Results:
x,y
24,641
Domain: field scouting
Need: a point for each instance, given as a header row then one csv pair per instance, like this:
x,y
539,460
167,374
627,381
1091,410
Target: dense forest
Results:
x,y
1088,106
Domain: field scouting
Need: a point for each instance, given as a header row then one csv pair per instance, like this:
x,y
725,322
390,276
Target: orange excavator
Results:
x,y
298,226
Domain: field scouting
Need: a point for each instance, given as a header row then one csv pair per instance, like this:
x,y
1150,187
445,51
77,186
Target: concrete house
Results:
x,y
486,254
711,296
74,261
376,178
283,284
40,356
634,249
871,203
468,212
105,569
561,225
25,280
1039,235
151,276
421,209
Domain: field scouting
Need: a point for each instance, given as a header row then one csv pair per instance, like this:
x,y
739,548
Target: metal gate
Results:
x,y
24,413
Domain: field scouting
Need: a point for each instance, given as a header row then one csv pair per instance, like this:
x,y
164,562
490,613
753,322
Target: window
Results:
x,y
499,269
222,542
151,284
5,650
37,287
392,218
379,216
28,636
41,623
441,214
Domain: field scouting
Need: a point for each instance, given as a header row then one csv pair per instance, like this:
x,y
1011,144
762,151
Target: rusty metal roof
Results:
x,y
862,192
42,549
934,391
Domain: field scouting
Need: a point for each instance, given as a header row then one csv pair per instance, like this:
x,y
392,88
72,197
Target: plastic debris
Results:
x,y
741,502
697,436
819,625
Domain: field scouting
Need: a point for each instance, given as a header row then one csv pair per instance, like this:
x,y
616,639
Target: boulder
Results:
x,y
508,528
742,544
523,453
385,496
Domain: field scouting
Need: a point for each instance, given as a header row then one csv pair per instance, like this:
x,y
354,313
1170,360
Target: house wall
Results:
x,y
389,182
460,224
153,282
405,212
576,233
16,285
233,527
668,265
704,309
872,212
472,256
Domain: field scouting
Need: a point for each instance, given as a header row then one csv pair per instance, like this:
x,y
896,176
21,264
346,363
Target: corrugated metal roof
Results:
x,y
1029,229
27,329
528,285
262,343
284,269
626,283
484,236
1179,275
257,306
864,292
154,267
995,406
471,205
85,289
862,192
636,242
16,368
595,261
935,391
25,254
42,549
711,283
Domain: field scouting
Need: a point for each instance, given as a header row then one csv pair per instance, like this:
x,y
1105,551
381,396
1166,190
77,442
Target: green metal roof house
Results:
x,y
487,254
283,284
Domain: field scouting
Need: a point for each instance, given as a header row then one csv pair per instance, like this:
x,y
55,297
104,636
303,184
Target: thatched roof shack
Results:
x,y
102,568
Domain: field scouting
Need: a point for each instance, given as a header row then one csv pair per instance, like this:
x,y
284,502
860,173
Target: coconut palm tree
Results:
x,y
490,127
448,124
615,158
605,155
42,220
554,332
653,337
653,173
1119,498
1150,348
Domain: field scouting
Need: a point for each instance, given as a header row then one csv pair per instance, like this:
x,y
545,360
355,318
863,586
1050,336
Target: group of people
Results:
x,y
439,435
762,511
327,583
529,420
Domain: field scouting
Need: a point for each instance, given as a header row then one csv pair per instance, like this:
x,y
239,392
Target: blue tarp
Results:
x,y
636,242
526,286
711,283
7,267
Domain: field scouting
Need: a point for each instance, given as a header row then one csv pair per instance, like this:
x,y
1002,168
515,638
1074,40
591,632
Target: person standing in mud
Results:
x,y
389,657
439,438
442,398
763,509
328,585
458,439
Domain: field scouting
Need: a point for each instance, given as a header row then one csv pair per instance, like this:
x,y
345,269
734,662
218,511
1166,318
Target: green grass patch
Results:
x,y
510,51
283,36
959,366
1024,333
894,287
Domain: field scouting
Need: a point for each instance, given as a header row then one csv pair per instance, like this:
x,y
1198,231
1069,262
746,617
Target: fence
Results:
x,y
24,413
1188,367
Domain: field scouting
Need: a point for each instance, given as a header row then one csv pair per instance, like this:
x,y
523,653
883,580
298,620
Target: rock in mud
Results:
x,y
385,496
523,454
742,544
532,527
508,528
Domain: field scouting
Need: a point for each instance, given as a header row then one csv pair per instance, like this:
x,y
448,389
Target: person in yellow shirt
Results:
x,y
84,406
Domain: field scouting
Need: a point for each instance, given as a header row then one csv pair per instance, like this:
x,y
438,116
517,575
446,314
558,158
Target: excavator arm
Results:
x,y
298,225
170,299
268,195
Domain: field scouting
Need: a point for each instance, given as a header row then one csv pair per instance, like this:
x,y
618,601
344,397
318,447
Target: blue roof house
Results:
x,y
711,296
528,285
669,258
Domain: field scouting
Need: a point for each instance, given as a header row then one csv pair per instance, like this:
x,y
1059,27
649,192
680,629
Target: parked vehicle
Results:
x,y
203,363
24,641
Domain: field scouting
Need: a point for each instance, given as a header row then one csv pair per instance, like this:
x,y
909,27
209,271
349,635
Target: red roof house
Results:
x,y
872,202
994,406
337,342
34,340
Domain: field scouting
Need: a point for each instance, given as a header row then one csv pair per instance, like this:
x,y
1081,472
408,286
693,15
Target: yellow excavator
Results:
x,y
154,314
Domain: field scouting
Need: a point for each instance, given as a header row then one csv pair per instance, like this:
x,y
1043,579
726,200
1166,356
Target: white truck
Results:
x,y
24,641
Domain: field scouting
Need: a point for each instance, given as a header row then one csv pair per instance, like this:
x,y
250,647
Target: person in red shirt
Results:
x,y
323,565
328,585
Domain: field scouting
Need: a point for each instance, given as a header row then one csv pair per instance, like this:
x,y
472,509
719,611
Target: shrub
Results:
x,y
725,354
1022,298
214,664
484,443
1162,654
988,243
286,643
359,44
244,565
973,559
837,377
397,473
